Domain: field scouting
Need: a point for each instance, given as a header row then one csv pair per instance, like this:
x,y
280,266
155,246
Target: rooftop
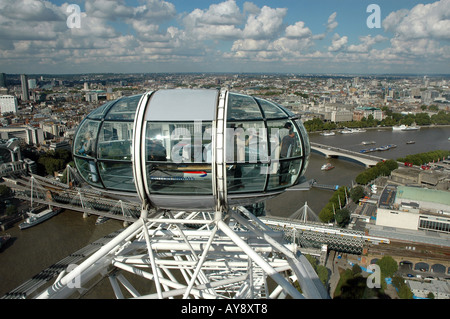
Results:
x,y
429,195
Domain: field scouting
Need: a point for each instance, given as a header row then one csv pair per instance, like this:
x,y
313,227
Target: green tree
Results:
x,y
388,266
404,292
342,217
356,193
326,215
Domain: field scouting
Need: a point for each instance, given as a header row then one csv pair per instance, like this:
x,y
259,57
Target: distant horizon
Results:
x,y
360,37
249,73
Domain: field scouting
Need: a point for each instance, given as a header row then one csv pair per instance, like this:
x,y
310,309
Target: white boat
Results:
x,y
404,127
101,220
411,128
37,218
328,134
326,167
352,130
368,142
399,127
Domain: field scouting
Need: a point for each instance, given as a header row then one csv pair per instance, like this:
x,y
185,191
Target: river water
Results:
x,y
32,250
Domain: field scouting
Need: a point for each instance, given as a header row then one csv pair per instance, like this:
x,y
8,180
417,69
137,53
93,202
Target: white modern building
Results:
x,y
8,104
414,208
440,289
29,134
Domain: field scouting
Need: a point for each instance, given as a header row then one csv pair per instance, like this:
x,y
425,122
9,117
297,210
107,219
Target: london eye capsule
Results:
x,y
184,149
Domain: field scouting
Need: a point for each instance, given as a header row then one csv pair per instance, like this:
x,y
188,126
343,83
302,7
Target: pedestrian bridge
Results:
x,y
332,151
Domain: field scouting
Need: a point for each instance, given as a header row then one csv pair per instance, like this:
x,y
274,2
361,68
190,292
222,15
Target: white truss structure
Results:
x,y
196,255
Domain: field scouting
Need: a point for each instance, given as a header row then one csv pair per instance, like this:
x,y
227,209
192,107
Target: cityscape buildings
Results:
x,y
58,103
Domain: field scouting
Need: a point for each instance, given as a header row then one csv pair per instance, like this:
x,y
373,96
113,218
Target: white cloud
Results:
x,y
219,21
108,9
30,10
366,43
423,21
332,23
298,30
265,25
338,43
34,32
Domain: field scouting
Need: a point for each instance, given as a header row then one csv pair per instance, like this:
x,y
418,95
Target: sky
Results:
x,y
262,36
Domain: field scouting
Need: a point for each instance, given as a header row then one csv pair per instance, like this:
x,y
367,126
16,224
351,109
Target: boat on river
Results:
x,y
368,142
327,167
411,142
327,133
36,218
404,127
101,220
352,130
386,147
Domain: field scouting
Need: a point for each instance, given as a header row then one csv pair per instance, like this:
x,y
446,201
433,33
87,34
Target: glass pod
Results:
x,y
188,149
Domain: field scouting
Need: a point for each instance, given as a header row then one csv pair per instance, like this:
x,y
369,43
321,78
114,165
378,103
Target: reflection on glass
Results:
x,y
88,170
286,173
284,139
246,142
115,140
100,112
242,107
246,178
306,143
124,109
271,111
85,143
179,142
117,175
179,179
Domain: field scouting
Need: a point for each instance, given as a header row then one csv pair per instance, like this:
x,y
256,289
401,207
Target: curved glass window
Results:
x,y
246,178
306,143
173,178
284,173
102,146
124,109
284,139
117,175
246,142
85,143
114,140
100,112
179,157
242,107
271,110
188,142
88,170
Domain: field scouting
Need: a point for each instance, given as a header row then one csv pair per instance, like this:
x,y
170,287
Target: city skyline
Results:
x,y
260,36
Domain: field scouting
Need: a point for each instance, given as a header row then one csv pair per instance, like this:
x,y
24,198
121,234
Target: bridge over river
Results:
x,y
332,151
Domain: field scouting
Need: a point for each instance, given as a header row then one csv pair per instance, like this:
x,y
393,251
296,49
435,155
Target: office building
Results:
x,y
24,82
8,104
414,208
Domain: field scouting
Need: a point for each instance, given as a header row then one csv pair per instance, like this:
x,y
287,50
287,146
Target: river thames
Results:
x,y
32,250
